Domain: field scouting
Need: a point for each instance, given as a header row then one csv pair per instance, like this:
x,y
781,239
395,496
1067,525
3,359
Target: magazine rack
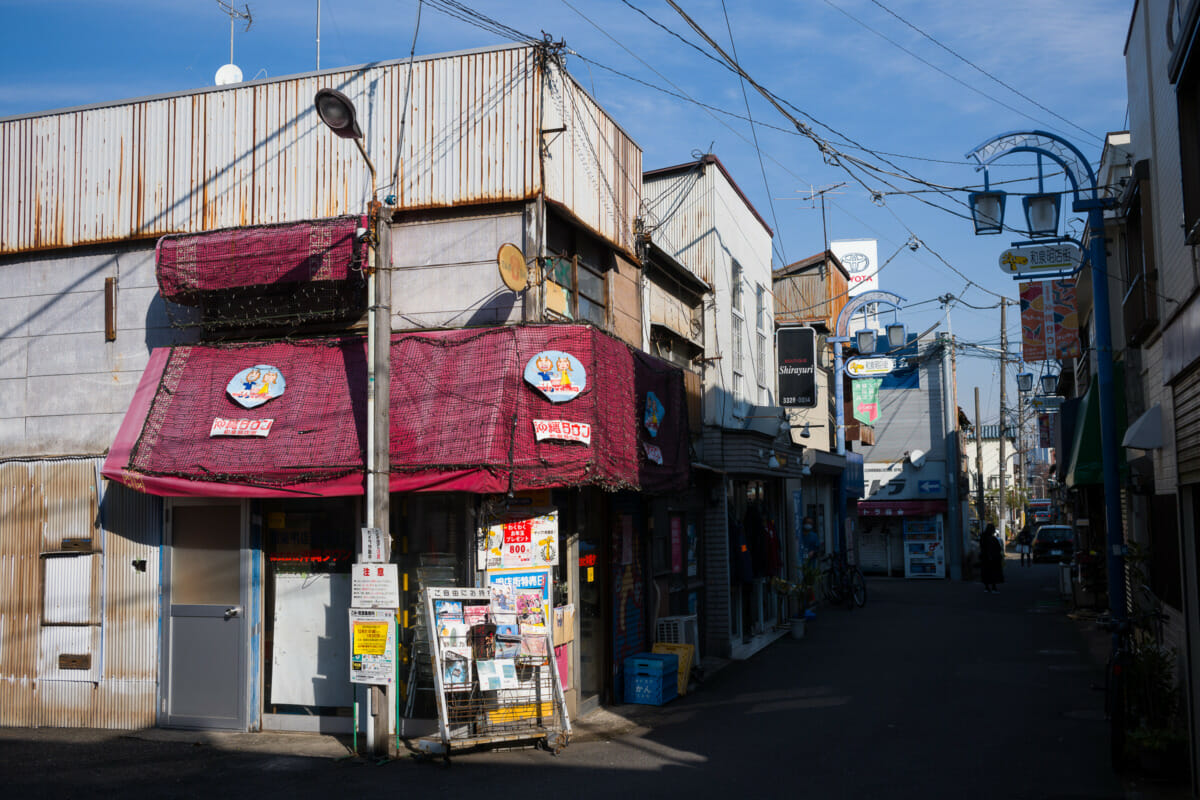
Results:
x,y
494,673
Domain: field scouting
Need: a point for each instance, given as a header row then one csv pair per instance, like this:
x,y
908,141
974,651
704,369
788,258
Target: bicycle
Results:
x,y
842,582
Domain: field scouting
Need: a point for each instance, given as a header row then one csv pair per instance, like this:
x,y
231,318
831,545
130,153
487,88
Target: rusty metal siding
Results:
x,y
114,620
681,218
816,296
593,168
257,153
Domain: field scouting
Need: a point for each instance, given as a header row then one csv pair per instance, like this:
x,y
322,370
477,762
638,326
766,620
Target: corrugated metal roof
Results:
x,y
256,153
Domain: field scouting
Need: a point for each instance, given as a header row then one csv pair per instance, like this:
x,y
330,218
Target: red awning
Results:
x,y
901,508
462,418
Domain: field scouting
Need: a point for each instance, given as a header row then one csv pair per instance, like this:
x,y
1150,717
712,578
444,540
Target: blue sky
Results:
x,y
902,84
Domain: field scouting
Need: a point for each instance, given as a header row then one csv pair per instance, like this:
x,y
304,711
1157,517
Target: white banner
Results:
x,y
563,430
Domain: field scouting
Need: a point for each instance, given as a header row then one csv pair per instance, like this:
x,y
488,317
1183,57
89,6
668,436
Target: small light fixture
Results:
x,y
864,340
896,335
1049,383
987,210
806,431
1024,381
773,462
1041,214
806,470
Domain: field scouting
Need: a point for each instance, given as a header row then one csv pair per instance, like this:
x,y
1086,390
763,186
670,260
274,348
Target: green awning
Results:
x,y
1086,467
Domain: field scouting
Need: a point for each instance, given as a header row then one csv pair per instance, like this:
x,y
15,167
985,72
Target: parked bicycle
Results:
x,y
842,582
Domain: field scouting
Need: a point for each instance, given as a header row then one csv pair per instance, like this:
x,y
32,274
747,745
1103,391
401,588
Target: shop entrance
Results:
x,y
204,669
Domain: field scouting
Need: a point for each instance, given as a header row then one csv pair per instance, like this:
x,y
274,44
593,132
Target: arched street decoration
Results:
x,y
1058,150
865,299
1086,199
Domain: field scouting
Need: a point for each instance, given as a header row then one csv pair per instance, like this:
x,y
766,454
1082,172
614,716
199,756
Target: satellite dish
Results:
x,y
230,73
513,270
917,457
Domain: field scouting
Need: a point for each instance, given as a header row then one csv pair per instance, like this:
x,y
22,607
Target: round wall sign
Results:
x,y
256,385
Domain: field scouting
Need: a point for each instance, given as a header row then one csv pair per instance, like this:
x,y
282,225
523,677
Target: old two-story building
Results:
x,y
184,424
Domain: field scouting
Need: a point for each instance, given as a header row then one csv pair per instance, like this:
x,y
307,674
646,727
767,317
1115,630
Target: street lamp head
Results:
x,y
1024,381
1041,214
1049,383
337,112
864,341
987,211
897,336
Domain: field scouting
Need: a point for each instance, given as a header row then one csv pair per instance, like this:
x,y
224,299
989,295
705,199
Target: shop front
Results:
x,y
912,531
264,513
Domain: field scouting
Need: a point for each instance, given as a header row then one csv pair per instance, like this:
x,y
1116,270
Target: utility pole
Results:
x,y
954,533
979,461
1003,511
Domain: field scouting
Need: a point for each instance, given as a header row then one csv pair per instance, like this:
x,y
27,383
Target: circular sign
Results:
x,y
557,375
855,262
513,270
256,385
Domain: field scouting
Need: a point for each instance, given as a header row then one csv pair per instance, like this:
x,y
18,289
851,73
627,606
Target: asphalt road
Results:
x,y
935,690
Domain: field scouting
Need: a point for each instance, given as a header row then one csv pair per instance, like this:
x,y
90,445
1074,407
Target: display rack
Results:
x,y
494,674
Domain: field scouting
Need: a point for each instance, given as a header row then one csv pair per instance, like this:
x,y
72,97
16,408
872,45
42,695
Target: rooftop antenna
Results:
x,y
230,73
813,194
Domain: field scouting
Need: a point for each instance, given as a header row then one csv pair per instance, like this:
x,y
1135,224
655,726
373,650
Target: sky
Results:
x,y
906,86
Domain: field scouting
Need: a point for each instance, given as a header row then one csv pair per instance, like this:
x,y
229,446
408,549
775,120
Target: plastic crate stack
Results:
x,y
651,678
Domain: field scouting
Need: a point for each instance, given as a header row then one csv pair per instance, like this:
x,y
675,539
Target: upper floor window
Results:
x,y
760,311
735,287
579,267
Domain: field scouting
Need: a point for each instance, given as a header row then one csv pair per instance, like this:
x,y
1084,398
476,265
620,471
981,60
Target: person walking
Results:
x,y
1025,545
991,560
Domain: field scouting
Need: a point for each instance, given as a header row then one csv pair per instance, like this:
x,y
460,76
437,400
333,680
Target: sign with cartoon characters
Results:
x,y
256,385
524,539
557,375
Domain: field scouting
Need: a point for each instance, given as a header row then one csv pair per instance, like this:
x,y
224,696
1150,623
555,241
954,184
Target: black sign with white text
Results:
x,y
797,352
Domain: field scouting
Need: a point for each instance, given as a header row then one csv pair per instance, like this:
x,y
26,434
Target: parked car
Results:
x,y
1053,543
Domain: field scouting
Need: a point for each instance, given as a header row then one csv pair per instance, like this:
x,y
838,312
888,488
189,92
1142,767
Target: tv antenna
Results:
x,y
230,73
813,194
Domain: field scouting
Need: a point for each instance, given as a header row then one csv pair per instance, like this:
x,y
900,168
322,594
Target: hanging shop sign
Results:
x,y
374,586
563,430
372,646
557,375
256,385
1023,261
240,427
871,367
1049,321
1046,402
796,348
654,413
525,539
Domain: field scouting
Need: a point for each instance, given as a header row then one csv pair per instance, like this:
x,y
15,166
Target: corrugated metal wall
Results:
x,y
257,153
112,619
680,213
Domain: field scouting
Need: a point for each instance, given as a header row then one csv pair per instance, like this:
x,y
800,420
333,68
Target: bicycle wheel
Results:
x,y
831,586
858,587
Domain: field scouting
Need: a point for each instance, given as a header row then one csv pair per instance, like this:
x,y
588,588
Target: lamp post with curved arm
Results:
x,y
987,209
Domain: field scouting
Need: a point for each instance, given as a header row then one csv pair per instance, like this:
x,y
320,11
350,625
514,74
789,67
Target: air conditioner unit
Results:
x,y
680,630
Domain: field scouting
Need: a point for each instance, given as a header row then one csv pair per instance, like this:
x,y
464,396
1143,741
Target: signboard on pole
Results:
x,y
870,367
372,646
374,586
1049,321
1040,260
797,352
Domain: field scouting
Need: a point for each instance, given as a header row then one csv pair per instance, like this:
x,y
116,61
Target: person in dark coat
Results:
x,y
991,560
1025,545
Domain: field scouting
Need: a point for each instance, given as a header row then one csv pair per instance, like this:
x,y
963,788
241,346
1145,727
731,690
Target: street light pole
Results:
x,y
1083,179
337,112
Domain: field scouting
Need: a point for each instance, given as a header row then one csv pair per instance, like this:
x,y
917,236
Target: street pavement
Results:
x,y
935,689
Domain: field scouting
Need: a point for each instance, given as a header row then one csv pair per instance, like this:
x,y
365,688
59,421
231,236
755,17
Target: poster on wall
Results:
x,y
523,593
372,646
528,538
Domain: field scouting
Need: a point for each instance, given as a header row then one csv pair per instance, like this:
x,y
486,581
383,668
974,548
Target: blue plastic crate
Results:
x,y
650,690
652,664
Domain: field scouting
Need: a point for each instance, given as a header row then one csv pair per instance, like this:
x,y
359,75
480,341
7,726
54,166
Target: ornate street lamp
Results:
x,y
897,336
987,209
1024,381
864,341
1049,383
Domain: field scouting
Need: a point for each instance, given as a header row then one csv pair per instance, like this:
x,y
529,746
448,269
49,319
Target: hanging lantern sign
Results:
x,y
654,413
256,385
557,375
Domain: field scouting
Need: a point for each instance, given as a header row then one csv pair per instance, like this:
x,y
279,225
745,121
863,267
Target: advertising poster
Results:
x,y
511,589
865,393
527,538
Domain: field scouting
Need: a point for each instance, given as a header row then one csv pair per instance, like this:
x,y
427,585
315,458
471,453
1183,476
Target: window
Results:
x,y
1187,97
739,389
735,287
1140,303
760,360
579,271
760,311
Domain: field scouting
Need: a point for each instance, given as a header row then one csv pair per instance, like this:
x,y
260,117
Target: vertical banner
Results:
x,y
1049,320
865,392
1044,432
